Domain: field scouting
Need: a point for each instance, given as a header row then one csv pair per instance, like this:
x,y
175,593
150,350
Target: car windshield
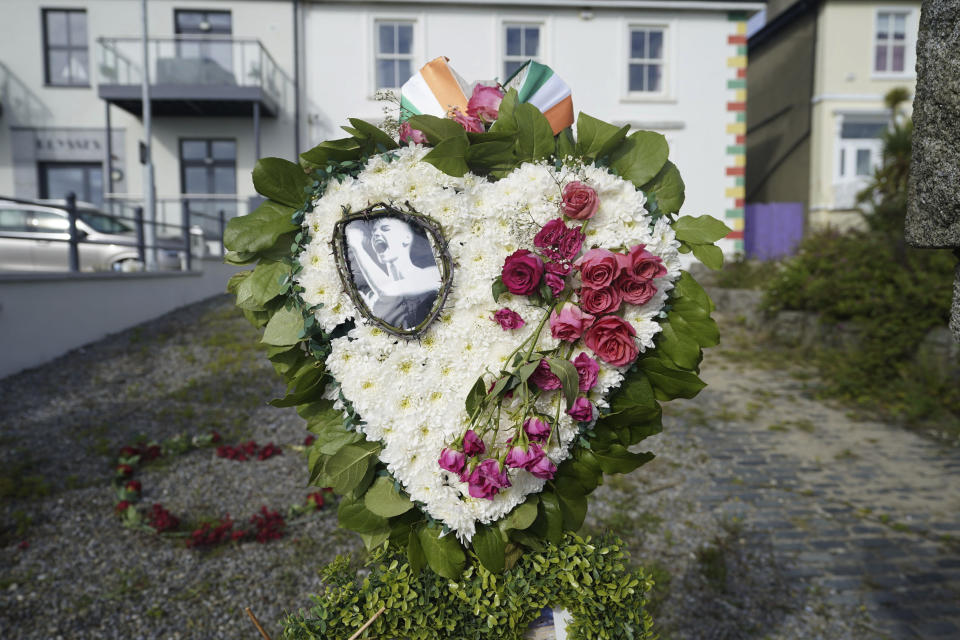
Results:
x,y
104,223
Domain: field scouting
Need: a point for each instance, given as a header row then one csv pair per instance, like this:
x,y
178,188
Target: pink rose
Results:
x,y
536,429
487,479
468,122
452,460
582,410
409,134
551,234
641,265
472,444
635,291
580,200
570,323
484,104
571,243
518,457
508,319
598,268
522,271
543,468
544,378
600,301
555,283
587,370
611,338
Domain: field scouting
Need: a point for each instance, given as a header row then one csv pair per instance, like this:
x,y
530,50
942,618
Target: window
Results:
x,y
890,48
13,220
646,64
85,179
217,50
208,166
859,150
394,53
66,55
521,43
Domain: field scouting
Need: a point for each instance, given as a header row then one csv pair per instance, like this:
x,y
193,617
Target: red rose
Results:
x,y
598,268
485,102
468,122
508,319
124,470
571,242
134,486
611,338
522,271
409,134
550,235
602,300
639,264
122,506
569,323
555,283
635,291
559,268
544,378
580,201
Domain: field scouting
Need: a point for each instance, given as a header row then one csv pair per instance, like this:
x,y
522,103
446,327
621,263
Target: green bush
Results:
x,y
588,579
744,273
893,296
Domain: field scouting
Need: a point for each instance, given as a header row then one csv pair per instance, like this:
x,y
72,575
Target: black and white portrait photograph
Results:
x,y
394,269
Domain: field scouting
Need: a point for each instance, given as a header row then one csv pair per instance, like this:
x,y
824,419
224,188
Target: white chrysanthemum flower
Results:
x,y
411,393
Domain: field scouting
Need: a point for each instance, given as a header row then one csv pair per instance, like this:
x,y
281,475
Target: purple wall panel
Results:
x,y
772,230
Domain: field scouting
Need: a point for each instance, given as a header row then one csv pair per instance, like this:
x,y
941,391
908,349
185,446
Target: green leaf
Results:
x,y
573,503
476,396
565,144
239,258
524,372
634,403
506,122
316,461
340,150
641,157
669,383
549,522
489,545
700,229
710,255
282,181
679,346
415,553
258,230
667,187
535,137
299,397
284,328
498,288
375,539
569,380
437,129
264,285
485,156
618,459
354,515
374,134
347,467
444,555
522,516
690,290
449,156
593,135
499,386
527,539
384,500
700,330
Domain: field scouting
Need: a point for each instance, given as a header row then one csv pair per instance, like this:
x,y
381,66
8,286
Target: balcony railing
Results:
x,y
194,61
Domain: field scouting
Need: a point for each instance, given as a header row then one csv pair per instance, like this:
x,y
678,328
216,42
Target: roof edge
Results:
x,y
782,21
685,5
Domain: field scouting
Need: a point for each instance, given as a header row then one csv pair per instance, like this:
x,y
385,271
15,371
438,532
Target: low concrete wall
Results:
x,y
44,315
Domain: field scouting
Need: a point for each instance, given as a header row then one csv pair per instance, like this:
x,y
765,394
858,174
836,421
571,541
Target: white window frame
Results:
x,y
504,57
413,56
909,43
846,184
666,89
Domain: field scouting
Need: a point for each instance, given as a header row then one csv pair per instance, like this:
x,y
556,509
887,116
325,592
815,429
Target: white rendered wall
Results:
x,y
21,51
591,55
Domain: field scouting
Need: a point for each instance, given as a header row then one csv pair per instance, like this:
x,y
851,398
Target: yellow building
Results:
x,y
818,72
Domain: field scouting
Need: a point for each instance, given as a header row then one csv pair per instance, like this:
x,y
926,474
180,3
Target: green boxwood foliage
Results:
x,y
587,578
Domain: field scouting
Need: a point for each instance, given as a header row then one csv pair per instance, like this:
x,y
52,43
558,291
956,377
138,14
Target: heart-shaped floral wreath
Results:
x,y
476,324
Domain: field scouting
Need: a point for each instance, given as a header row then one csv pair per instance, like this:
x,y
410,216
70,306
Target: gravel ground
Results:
x,y
198,369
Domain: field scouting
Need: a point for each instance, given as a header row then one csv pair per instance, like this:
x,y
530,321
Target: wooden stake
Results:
x,y
256,623
367,624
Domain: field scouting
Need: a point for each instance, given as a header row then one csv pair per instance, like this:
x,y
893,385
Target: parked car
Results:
x,y
35,237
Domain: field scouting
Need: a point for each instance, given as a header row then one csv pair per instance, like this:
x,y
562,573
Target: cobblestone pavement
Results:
x,y
866,515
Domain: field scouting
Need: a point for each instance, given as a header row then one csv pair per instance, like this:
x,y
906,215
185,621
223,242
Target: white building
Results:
x,y
219,70
677,67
